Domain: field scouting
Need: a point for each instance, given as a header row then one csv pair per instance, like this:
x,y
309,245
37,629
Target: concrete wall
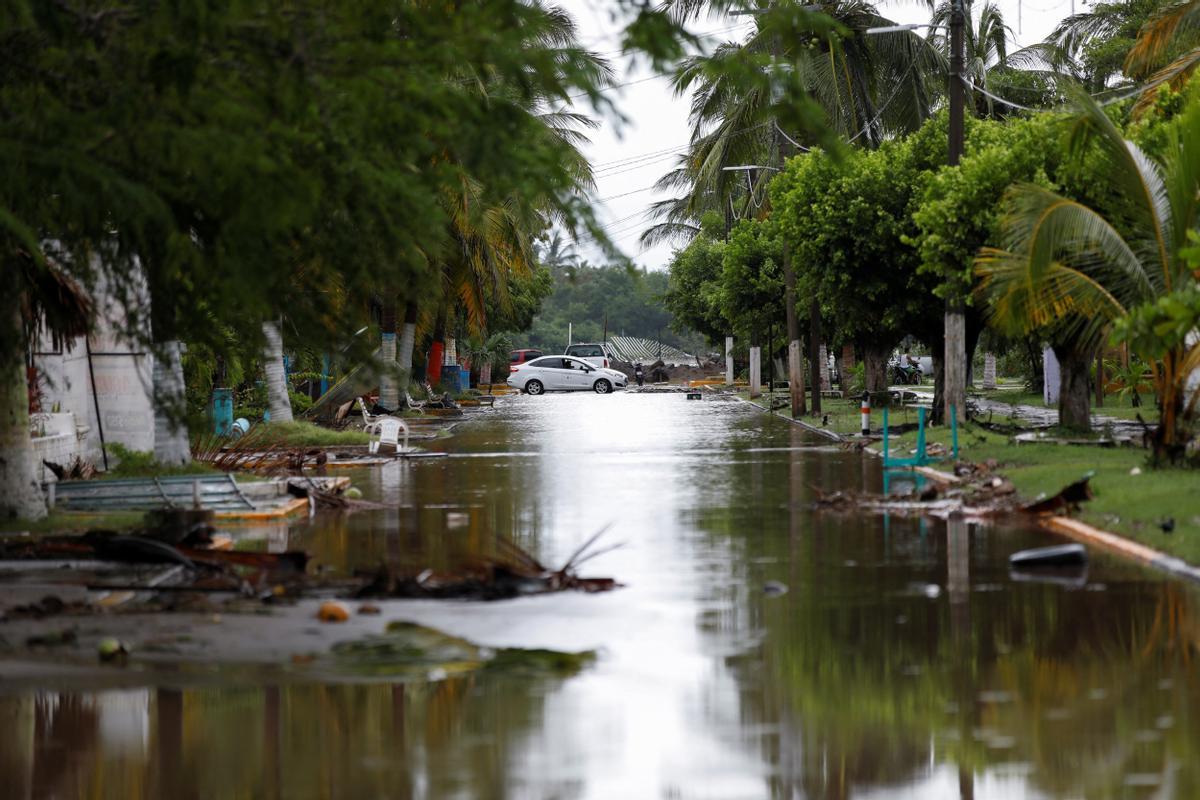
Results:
x,y
123,386
57,439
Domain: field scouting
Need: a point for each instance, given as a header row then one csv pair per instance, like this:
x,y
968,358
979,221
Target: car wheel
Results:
x,y
535,387
602,386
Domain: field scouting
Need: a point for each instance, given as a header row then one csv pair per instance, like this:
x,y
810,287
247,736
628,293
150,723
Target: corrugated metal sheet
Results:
x,y
632,348
216,492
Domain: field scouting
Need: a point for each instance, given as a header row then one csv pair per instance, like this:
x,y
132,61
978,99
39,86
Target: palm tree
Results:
x,y
866,86
1167,48
279,403
985,46
1071,270
490,233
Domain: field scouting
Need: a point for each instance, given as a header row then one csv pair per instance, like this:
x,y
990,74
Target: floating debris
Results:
x,y
513,574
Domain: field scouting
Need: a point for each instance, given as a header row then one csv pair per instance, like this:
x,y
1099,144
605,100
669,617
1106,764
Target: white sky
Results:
x,y
628,158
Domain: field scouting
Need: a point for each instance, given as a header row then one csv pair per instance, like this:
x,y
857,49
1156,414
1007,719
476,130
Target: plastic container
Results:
x,y
450,377
222,411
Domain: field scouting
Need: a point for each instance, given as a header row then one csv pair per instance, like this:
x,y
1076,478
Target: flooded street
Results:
x,y
757,649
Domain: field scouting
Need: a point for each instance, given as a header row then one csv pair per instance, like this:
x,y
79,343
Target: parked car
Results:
x,y
564,374
596,354
519,357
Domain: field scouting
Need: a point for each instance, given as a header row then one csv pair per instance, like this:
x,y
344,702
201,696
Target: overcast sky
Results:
x,y
628,158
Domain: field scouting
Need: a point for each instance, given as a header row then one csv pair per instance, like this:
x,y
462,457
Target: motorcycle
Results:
x,y
638,374
906,374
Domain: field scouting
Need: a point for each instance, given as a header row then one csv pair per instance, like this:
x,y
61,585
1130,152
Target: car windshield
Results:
x,y
585,350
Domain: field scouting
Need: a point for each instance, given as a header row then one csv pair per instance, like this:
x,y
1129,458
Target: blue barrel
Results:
x,y
450,377
222,411
464,380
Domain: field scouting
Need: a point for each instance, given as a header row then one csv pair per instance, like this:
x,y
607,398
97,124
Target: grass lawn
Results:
x,y
306,434
71,521
1127,504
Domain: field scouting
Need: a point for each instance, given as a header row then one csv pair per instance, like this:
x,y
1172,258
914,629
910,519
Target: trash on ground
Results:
x,y
1064,555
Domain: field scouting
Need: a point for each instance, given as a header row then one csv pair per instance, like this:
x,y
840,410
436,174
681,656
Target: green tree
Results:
x,y
1079,268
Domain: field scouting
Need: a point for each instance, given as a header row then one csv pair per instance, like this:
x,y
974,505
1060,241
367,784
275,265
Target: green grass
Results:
x,y
141,464
68,521
306,434
1129,505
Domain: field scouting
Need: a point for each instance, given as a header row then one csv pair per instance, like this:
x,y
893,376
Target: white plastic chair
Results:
x,y
386,432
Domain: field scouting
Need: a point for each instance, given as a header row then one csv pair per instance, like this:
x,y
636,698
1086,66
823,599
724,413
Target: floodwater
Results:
x,y
903,660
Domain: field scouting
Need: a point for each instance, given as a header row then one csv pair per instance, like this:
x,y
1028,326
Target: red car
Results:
x,y
518,357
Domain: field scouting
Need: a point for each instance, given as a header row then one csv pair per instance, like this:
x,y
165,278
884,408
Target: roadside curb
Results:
x,y
1081,531
1066,526
828,434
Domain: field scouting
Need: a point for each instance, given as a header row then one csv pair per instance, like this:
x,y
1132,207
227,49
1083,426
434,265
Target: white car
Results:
x,y
598,355
564,374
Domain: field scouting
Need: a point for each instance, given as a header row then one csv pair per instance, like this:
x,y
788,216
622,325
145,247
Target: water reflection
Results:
x,y
902,661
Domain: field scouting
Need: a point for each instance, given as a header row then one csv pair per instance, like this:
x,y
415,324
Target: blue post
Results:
x,y
885,437
324,374
222,411
954,429
921,459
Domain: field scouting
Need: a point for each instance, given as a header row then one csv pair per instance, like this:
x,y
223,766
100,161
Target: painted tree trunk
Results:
x,y
823,354
989,371
20,496
1074,395
875,367
408,341
755,371
278,403
433,365
389,386
170,431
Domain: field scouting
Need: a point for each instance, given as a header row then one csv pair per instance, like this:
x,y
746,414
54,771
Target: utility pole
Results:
x,y
954,354
795,373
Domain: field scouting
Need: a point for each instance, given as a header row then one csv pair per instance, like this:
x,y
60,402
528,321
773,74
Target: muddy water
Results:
x,y
903,660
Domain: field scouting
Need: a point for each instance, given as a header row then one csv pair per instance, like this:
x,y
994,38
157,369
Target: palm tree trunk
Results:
x,y
389,387
1074,394
21,495
408,340
170,432
279,405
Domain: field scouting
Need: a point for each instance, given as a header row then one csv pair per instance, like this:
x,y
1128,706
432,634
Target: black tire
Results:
x,y
535,387
602,386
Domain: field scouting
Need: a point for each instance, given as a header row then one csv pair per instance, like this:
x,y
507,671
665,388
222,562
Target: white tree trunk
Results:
x,y
824,356
408,341
20,495
170,433
485,372
450,354
389,387
729,360
278,403
755,372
